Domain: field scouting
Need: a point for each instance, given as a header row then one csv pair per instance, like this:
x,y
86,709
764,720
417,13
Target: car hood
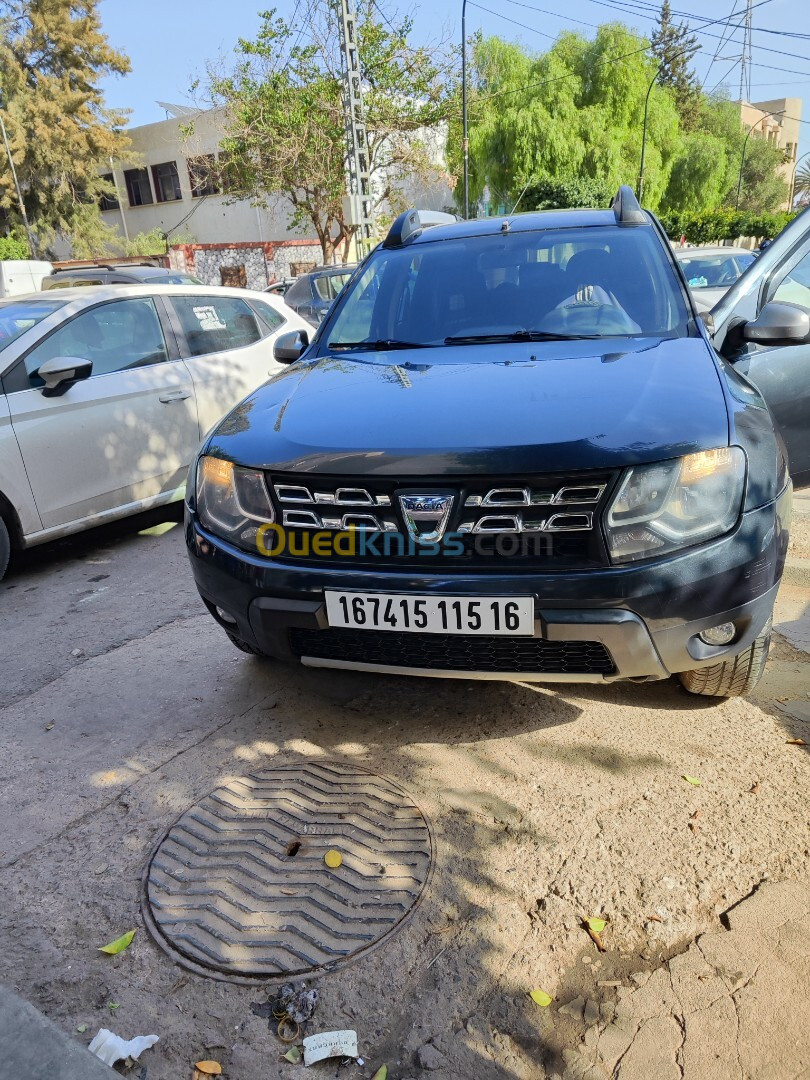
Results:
x,y
498,409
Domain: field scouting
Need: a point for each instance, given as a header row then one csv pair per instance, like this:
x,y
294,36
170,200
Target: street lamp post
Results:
x,y
464,126
653,81
749,133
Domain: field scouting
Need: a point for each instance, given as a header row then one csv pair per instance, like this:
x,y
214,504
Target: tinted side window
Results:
x,y
216,323
269,316
299,292
117,336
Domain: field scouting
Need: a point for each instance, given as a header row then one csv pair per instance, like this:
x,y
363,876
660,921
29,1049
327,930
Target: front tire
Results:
x,y
5,548
735,677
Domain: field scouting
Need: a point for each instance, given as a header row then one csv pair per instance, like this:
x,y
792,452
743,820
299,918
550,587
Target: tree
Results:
x,y
801,185
673,46
52,56
285,120
573,113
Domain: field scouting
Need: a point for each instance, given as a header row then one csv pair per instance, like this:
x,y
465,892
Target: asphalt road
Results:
x,y
122,704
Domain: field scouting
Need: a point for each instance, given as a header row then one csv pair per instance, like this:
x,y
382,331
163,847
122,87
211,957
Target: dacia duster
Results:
x,y
512,450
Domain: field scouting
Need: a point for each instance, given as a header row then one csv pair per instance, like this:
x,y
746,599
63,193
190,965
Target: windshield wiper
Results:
x,y
519,335
382,343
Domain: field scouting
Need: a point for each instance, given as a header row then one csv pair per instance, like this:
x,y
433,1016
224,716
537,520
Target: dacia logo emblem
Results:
x,y
426,516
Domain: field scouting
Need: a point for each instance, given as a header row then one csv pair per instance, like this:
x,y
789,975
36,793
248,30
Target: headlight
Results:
x,y
232,501
674,504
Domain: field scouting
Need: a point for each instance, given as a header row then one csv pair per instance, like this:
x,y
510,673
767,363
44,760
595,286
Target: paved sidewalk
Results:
x,y
34,1048
732,1007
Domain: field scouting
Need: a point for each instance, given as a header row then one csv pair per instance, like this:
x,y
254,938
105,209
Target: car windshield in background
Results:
x,y
715,271
178,279
562,283
17,316
328,286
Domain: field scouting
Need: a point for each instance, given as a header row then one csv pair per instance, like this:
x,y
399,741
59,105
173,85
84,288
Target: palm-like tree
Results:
x,y
801,185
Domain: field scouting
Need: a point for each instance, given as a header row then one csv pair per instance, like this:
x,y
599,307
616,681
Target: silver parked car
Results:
x,y
106,391
711,271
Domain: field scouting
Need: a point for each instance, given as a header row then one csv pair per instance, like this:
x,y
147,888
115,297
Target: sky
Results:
x,y
169,41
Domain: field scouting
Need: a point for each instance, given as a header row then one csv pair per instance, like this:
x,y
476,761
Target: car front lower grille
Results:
x,y
553,519
454,652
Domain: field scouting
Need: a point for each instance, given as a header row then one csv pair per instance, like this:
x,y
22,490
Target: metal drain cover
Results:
x,y
239,885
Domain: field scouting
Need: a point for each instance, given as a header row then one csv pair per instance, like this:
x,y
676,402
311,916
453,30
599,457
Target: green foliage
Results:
x,y
52,57
147,243
581,118
285,131
90,237
801,184
673,47
14,247
579,192
712,226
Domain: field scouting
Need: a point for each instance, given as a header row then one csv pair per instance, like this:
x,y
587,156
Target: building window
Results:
x,y
203,175
139,190
108,202
167,182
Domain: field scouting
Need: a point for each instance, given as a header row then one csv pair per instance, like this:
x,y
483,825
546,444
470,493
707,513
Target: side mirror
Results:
x,y
289,347
779,323
59,371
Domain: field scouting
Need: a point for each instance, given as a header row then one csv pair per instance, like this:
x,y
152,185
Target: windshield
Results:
x,y
585,282
17,316
716,270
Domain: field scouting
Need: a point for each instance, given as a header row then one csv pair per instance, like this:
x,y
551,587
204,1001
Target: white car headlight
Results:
x,y
232,501
674,504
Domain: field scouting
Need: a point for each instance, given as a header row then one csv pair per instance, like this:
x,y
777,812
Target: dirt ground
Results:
x,y
123,703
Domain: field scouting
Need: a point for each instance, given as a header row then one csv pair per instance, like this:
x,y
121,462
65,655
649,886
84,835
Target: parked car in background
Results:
x,y
71,277
513,451
106,392
711,271
280,287
19,276
312,294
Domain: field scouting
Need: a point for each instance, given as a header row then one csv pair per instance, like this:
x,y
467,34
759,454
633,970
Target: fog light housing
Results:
x,y
722,634
226,617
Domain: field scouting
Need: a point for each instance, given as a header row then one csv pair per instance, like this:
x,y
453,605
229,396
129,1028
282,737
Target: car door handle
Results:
x,y
175,395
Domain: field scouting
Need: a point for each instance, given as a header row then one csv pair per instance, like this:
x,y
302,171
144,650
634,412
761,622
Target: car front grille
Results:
x,y
454,652
552,520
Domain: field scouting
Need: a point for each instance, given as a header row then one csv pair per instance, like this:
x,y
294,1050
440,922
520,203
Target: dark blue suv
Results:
x,y
511,451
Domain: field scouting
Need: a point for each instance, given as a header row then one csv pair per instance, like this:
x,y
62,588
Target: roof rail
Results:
x,y
626,207
411,222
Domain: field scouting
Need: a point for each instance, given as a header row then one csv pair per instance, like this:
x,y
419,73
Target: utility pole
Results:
x,y
746,57
358,166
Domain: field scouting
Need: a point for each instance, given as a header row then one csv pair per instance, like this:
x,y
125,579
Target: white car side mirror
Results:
x,y
59,370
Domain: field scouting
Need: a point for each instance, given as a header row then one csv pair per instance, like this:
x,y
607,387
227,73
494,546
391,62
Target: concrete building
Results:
x,y
778,121
175,185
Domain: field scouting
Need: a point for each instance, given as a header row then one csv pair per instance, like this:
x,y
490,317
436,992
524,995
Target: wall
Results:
x,y
263,262
783,131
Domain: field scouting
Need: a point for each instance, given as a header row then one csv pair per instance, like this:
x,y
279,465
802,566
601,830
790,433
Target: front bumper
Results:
x,y
648,617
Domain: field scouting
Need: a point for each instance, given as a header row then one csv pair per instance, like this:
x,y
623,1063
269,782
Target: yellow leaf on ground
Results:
x,y
597,925
541,998
381,1073
209,1068
333,859
796,742
119,944
693,780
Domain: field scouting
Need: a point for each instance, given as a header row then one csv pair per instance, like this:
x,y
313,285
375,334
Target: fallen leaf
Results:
x,y
655,918
796,742
119,944
209,1068
81,1028
293,1055
541,998
696,815
113,1005
755,788
693,826
693,780
597,925
333,859
381,1073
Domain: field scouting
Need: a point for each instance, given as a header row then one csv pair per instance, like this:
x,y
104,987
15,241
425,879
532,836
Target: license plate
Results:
x,y
512,616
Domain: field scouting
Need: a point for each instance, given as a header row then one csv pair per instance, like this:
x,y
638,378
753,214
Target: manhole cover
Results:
x,y
239,885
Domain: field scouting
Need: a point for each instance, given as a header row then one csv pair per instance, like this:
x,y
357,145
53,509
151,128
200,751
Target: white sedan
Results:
x,y
106,392
711,271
